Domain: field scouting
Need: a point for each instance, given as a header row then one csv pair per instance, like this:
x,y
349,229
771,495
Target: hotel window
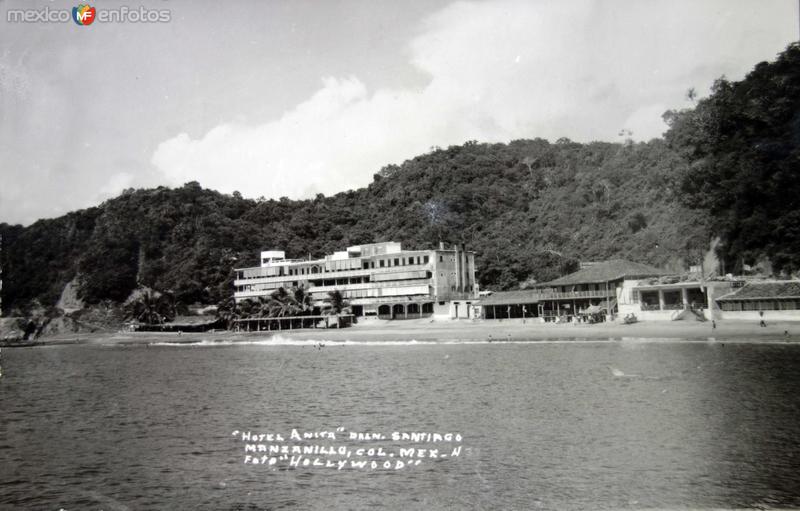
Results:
x,y
427,259
381,263
397,262
372,264
441,259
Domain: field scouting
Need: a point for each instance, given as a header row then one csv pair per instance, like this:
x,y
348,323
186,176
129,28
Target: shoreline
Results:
x,y
456,331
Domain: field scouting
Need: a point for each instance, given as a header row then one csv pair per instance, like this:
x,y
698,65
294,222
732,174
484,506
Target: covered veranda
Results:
x,y
545,304
292,322
407,310
510,304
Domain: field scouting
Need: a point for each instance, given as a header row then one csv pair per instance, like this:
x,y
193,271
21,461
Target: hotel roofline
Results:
x,y
271,258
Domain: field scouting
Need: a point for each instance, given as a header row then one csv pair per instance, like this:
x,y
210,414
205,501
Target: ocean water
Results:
x,y
562,425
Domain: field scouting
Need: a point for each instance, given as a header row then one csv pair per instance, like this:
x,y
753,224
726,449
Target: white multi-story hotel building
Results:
x,y
378,279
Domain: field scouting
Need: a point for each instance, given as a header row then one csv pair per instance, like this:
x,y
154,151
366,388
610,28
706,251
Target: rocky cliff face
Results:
x,y
69,301
12,330
54,321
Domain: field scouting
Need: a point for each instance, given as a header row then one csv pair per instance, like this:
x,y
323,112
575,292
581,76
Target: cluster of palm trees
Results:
x,y
282,303
152,307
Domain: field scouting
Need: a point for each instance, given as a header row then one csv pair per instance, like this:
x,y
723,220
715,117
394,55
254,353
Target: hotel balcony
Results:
x,y
331,275
355,291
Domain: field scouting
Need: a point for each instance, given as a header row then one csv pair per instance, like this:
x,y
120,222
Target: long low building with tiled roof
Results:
x,y
776,299
612,271
768,291
592,290
618,288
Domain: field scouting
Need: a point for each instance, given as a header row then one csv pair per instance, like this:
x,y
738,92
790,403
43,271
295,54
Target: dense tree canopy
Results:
x,y
530,209
743,148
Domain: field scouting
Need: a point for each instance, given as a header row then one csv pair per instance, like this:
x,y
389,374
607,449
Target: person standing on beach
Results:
x,y
763,323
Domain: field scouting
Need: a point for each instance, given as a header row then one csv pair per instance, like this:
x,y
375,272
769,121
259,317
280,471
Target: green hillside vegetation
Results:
x,y
743,148
530,209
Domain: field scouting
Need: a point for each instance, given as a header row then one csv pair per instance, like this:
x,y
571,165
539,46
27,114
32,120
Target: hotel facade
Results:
x,y
378,279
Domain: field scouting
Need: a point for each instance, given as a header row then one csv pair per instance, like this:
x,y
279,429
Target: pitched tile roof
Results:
x,y
607,271
512,297
765,291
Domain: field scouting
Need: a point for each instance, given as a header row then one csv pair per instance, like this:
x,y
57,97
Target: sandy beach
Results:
x,y
374,330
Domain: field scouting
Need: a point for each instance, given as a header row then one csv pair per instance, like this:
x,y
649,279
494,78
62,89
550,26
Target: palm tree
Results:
x,y
167,306
227,311
303,300
280,304
246,308
335,303
152,308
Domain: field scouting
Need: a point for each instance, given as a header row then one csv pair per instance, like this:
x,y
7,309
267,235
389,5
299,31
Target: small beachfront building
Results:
x,y
777,299
674,297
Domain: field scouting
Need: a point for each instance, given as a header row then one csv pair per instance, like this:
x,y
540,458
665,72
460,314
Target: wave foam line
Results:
x,y
279,340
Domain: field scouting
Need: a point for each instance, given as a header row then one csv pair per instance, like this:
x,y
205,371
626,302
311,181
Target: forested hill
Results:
x,y
530,209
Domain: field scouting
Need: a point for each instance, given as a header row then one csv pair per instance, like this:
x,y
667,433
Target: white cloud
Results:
x,y
115,184
498,71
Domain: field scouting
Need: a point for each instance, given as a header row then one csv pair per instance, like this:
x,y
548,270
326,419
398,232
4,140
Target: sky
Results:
x,y
295,98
